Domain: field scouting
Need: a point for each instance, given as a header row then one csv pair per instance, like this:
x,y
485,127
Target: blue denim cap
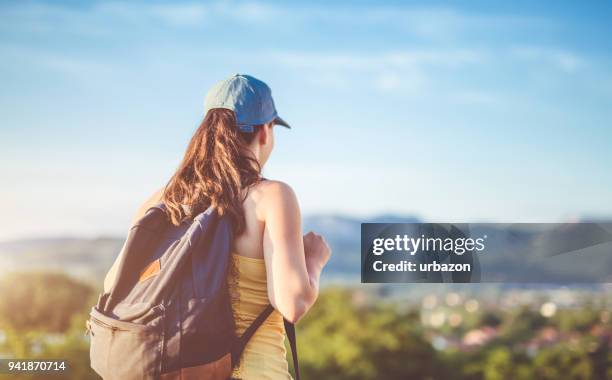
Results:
x,y
249,98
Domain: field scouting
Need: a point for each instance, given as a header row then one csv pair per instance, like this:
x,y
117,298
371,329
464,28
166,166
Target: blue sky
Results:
x,y
447,111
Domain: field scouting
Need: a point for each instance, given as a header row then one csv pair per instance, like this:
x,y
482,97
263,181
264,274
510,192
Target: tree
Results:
x,y
563,361
41,301
344,341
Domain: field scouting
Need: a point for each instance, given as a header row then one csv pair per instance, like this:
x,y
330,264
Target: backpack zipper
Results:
x,y
156,309
106,325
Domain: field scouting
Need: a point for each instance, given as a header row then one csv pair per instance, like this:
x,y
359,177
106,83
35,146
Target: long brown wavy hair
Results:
x,y
215,171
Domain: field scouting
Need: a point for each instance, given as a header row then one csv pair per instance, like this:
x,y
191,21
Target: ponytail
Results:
x,y
215,171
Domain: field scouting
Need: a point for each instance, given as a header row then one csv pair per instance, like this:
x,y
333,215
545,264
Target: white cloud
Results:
x,y
180,14
373,60
437,23
424,22
477,97
562,59
408,72
388,81
407,82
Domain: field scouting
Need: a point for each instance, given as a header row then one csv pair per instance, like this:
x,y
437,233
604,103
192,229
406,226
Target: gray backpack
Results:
x,y
168,314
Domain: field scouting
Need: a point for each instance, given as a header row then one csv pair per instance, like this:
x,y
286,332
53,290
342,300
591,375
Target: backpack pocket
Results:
x,y
126,350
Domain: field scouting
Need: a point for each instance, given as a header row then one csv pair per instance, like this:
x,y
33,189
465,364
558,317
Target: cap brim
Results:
x,y
279,121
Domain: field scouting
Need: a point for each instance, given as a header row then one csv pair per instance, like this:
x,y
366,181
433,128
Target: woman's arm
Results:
x,y
293,262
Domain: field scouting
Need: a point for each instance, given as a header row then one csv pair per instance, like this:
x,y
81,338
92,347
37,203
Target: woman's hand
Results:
x,y
317,251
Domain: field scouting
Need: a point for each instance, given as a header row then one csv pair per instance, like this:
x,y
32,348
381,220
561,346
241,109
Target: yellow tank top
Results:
x,y
264,356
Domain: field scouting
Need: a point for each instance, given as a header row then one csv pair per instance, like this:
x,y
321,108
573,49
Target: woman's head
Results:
x,y
221,162
226,153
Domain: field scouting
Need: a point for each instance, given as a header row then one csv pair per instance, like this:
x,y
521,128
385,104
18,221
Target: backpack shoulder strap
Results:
x,y
250,331
290,331
242,341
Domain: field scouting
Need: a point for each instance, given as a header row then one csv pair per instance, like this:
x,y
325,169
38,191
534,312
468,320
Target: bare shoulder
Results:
x,y
152,200
271,191
270,197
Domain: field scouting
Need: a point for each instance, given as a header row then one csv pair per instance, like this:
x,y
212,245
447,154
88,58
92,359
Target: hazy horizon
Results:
x,y
308,221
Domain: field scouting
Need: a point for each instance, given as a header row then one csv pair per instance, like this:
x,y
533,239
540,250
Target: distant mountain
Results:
x,y
90,258
343,235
